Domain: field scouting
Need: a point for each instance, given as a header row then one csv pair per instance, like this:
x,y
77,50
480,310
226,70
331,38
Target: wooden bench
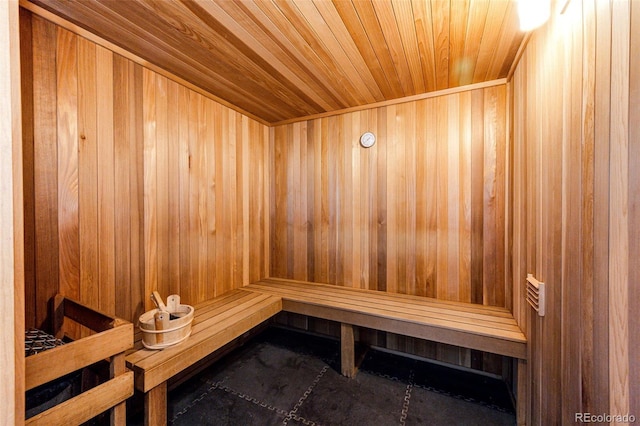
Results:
x,y
216,323
485,328
223,319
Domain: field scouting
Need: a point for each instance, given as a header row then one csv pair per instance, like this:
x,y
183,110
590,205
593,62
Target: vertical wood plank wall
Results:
x,y
421,212
12,382
133,182
576,204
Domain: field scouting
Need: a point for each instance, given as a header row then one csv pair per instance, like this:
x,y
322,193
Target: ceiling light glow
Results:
x,y
533,13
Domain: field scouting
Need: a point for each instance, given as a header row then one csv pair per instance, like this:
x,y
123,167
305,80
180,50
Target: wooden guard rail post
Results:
x,y
110,339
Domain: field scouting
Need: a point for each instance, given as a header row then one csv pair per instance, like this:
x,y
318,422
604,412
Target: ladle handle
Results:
x,y
155,296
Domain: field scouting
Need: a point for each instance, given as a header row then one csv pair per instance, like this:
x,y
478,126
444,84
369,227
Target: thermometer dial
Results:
x,y
367,139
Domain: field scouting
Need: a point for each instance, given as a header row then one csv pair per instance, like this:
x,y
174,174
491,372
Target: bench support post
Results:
x,y
347,350
521,392
155,406
118,415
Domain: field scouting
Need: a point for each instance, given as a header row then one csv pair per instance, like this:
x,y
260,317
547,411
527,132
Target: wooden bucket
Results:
x,y
176,330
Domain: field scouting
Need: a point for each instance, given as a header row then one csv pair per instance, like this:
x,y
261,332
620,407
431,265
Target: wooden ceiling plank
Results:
x,y
343,37
305,38
279,38
490,38
154,30
294,29
251,19
203,32
424,34
458,64
238,33
508,44
247,62
357,31
405,21
387,20
279,60
369,20
333,51
66,23
475,28
104,22
440,11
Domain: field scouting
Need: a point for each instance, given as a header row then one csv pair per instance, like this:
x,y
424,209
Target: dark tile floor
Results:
x,y
289,378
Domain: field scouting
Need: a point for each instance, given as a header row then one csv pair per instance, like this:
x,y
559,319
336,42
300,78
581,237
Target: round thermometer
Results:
x,y
367,139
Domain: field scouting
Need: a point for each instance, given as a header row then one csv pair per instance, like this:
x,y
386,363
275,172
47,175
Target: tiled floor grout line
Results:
x,y
194,402
407,399
439,391
219,385
292,414
407,378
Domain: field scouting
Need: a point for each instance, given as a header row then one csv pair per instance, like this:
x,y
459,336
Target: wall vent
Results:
x,y
535,294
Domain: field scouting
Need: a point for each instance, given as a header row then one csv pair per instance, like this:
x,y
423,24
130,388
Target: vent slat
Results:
x,y
535,294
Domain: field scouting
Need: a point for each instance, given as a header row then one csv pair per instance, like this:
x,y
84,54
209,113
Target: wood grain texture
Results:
x,y
67,107
87,174
405,216
634,208
149,184
574,153
45,162
218,322
464,324
280,60
12,271
418,159
106,195
26,61
619,186
92,402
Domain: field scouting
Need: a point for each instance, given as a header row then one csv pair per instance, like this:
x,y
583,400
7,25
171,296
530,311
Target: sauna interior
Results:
x,y
198,147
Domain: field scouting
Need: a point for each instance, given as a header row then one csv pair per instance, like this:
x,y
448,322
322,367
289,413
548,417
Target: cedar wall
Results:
x,y
421,212
576,204
133,182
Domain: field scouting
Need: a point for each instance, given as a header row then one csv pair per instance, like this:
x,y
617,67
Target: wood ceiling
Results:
x,y
283,59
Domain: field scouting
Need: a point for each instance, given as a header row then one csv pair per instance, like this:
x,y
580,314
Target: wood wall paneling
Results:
x,y
67,167
407,215
134,181
45,162
414,168
619,186
634,208
87,175
575,195
26,60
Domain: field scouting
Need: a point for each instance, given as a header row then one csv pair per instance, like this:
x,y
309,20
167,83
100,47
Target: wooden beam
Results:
x,y
406,99
11,220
